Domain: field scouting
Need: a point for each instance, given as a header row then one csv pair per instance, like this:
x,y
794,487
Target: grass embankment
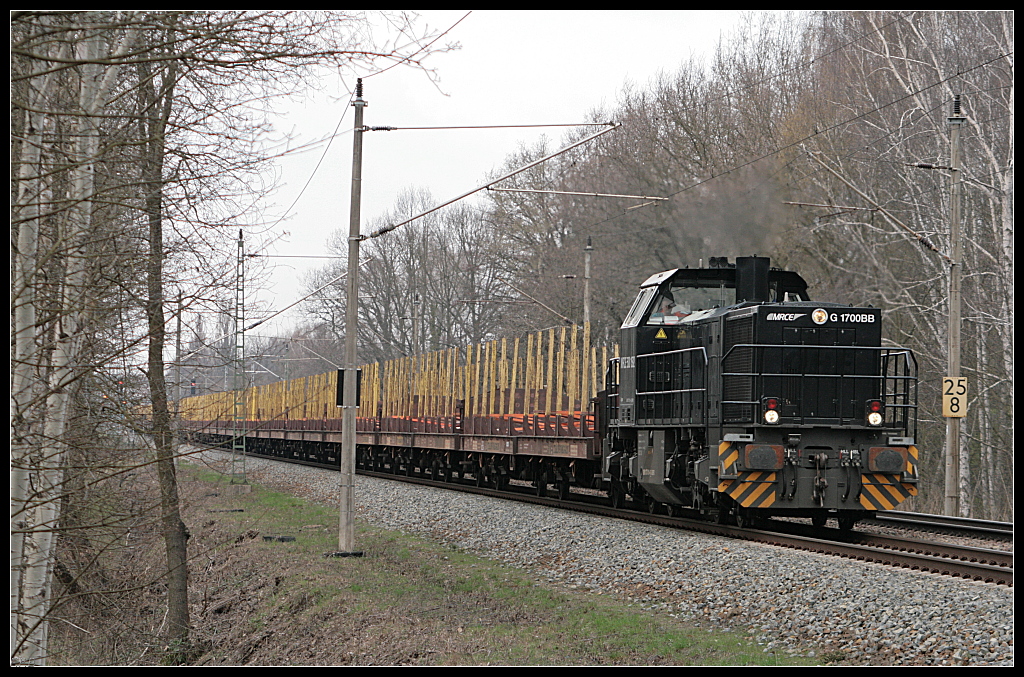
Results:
x,y
406,601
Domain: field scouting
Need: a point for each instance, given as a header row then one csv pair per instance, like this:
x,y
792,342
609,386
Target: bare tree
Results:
x,y
432,284
40,456
704,136
136,133
887,89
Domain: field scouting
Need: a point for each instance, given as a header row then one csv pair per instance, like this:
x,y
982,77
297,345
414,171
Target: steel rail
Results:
x,y
946,523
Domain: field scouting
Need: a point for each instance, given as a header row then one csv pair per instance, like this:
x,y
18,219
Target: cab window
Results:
x,y
639,307
677,303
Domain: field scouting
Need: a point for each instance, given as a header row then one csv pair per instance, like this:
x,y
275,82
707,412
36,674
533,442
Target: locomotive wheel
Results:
x,y
542,485
744,520
846,523
446,471
616,496
819,521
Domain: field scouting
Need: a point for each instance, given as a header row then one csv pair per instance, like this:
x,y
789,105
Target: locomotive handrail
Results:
x,y
893,350
611,382
666,359
898,399
703,352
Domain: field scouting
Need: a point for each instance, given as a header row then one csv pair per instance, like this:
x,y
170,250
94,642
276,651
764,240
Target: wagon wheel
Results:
x,y
563,489
542,484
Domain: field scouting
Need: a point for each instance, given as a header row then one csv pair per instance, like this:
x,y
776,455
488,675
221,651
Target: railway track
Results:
x,y
943,524
962,561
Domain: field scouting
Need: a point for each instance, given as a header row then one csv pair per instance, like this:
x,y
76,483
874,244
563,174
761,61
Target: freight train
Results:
x,y
731,395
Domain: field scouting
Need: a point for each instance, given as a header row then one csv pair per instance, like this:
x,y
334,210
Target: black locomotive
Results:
x,y
738,396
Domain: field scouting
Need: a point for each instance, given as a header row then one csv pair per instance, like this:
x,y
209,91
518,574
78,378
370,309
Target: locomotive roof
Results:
x,y
786,280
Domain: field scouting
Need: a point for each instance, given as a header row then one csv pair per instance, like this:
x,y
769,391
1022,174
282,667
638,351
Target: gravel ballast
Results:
x,y
789,601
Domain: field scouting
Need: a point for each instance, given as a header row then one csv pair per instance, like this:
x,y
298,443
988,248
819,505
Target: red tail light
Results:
x,y
875,412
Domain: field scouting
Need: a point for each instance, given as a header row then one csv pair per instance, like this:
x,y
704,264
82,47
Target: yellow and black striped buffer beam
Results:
x,y
911,472
756,489
751,489
728,460
880,491
884,491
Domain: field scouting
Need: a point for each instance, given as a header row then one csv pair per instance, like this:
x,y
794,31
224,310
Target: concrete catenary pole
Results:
x,y
952,502
587,251
346,520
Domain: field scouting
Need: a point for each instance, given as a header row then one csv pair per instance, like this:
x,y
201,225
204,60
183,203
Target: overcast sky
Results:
x,y
514,67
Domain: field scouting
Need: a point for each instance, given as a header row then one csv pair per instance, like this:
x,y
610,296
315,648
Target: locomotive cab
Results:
x,y
737,395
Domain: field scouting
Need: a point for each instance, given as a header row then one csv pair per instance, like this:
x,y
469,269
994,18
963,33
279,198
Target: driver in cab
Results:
x,y
667,312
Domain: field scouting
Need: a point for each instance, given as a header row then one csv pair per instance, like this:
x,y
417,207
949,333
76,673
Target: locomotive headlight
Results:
x,y
771,410
771,416
875,412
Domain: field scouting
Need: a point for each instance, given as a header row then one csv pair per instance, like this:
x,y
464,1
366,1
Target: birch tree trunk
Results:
x,y
37,558
24,383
